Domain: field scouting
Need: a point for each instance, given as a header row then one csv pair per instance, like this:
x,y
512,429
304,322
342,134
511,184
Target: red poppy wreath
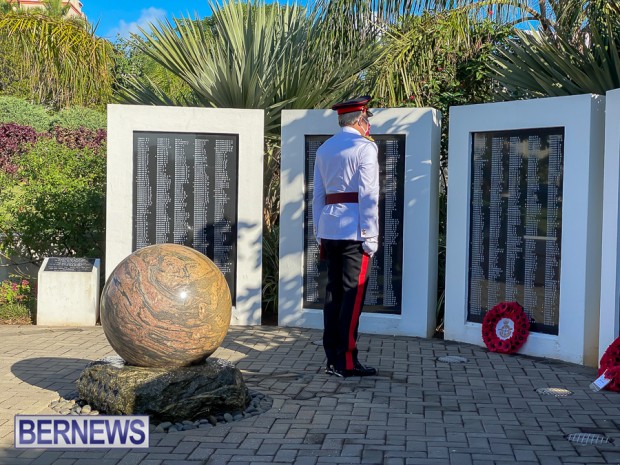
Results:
x,y
610,362
505,328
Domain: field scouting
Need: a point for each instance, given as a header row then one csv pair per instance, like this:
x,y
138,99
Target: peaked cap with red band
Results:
x,y
357,104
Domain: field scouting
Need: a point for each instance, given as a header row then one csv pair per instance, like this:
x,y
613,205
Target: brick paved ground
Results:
x,y
417,411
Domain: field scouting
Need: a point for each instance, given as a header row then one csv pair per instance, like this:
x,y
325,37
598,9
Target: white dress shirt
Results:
x,y
346,162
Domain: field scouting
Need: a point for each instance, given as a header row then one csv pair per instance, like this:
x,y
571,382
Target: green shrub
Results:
x,y
15,313
19,111
270,273
79,117
55,204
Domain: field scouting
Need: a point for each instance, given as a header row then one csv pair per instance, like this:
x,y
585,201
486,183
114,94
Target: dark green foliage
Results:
x,y
52,193
254,56
79,117
57,207
132,63
437,60
5,6
19,111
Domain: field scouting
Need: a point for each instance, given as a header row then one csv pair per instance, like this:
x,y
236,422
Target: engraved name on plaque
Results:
x,y
385,280
185,192
516,223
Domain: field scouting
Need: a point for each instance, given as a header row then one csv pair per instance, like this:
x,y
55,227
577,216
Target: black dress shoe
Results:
x,y
358,370
361,370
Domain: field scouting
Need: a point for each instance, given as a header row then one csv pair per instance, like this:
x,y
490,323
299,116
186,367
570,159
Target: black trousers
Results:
x,y
347,279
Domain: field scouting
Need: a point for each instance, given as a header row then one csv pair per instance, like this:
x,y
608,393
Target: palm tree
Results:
x,y
420,54
384,12
132,63
572,46
252,55
578,54
63,61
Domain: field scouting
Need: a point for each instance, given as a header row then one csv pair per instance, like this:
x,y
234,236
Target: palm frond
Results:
x,y
576,58
418,49
64,61
259,56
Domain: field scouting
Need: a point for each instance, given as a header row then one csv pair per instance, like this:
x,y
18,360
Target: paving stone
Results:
x,y
268,449
287,456
88,461
306,460
460,459
417,410
46,459
185,447
132,458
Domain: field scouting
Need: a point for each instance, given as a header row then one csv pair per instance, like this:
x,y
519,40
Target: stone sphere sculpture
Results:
x,y
165,305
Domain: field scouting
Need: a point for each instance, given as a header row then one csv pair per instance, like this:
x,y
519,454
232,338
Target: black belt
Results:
x,y
341,197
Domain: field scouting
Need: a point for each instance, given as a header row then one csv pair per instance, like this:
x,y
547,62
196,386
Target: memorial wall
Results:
x,y
401,296
190,176
524,221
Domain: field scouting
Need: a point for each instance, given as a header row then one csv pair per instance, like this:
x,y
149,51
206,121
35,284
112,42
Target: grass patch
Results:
x,y
15,314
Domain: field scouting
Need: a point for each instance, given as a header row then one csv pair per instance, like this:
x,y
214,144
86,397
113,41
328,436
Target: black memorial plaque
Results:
x,y
384,294
516,223
185,192
70,264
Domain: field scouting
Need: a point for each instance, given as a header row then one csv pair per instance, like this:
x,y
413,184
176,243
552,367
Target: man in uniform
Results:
x,y
346,220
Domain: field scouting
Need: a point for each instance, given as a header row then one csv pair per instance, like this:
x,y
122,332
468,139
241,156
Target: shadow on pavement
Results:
x,y
51,373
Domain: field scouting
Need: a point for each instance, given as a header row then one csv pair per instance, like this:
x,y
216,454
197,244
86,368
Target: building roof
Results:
x,y
75,10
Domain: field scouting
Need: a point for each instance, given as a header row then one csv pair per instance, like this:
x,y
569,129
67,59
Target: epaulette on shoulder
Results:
x,y
369,138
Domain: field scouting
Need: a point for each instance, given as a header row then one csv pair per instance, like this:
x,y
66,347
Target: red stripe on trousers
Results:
x,y
357,308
